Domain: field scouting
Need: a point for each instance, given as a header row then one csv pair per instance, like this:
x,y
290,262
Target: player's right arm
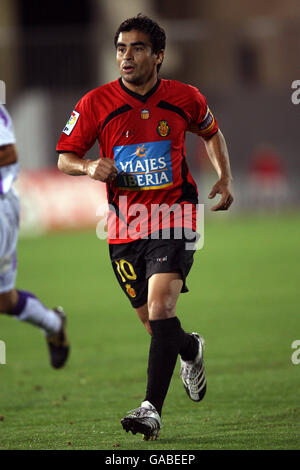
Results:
x,y
102,169
78,136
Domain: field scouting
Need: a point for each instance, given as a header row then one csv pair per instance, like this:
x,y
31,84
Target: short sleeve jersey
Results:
x,y
8,173
145,136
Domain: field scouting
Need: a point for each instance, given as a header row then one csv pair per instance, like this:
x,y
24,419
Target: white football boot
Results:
x,y
192,373
144,420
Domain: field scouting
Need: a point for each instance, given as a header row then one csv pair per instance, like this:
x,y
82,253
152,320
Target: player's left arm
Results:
x,y
218,153
204,124
8,154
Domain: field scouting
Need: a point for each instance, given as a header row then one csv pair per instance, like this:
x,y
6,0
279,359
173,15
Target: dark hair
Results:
x,y
142,23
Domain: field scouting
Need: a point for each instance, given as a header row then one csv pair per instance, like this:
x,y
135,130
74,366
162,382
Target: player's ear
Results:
x,y
160,57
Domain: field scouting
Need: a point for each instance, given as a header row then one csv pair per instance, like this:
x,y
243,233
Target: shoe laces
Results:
x,y
139,412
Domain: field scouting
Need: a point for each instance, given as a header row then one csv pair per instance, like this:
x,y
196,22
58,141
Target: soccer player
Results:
x,y
140,122
20,304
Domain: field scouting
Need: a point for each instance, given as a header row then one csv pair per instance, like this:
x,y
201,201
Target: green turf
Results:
x,y
244,299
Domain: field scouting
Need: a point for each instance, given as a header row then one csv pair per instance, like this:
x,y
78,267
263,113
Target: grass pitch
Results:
x,y
244,299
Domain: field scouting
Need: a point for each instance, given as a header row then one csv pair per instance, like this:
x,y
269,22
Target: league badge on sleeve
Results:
x,y
71,123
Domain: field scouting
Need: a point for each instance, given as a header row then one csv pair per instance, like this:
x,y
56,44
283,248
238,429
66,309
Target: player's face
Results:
x,y
135,58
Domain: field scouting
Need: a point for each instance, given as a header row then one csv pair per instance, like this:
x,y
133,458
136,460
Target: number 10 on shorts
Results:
x,y
125,270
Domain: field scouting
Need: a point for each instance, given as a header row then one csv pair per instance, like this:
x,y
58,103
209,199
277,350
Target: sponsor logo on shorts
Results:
x,y
162,260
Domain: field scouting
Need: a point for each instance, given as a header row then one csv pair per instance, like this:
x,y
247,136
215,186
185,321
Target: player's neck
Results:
x,y
142,89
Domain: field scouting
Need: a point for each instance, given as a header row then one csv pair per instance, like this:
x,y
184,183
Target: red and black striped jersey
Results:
x,y
145,135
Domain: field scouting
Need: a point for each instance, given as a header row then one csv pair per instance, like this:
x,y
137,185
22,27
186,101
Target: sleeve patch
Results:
x,y
71,123
207,124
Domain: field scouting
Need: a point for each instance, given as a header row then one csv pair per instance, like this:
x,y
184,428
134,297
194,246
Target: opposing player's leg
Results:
x,y
25,306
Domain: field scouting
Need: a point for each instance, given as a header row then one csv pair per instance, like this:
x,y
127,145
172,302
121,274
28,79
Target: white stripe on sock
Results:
x,y
37,314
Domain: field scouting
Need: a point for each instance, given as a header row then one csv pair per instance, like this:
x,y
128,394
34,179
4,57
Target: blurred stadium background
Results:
x,y
243,56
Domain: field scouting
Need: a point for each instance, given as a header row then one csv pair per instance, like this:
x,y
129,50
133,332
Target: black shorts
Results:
x,y
135,262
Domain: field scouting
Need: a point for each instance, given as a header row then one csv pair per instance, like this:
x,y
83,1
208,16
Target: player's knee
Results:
x,y
8,301
161,307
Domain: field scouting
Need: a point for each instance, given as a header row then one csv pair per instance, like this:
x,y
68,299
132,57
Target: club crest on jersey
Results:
x,y
143,166
71,122
130,290
163,128
145,114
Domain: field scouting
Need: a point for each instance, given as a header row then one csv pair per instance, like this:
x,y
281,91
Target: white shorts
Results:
x,y
9,229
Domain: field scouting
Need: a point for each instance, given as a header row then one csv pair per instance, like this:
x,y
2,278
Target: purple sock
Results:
x,y
31,310
19,307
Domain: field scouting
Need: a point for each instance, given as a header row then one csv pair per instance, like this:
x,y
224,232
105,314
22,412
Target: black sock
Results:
x,y
167,341
189,347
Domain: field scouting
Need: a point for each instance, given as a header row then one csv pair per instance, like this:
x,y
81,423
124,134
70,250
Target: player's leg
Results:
x,y
167,267
191,349
128,263
163,293
166,341
143,315
192,372
26,307
8,300
168,338
23,305
129,267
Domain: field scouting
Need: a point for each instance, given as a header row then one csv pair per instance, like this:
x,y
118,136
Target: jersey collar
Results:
x,y
139,97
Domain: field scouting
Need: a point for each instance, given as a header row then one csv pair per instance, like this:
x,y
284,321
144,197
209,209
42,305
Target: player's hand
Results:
x,y
223,187
103,169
